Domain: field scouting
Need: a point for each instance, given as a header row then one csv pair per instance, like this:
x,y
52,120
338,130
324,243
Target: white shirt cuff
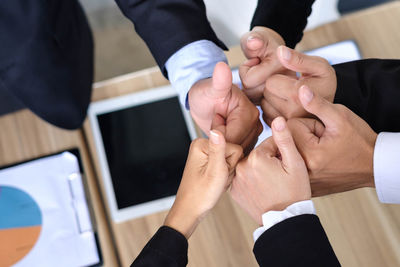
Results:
x,y
387,167
271,218
191,63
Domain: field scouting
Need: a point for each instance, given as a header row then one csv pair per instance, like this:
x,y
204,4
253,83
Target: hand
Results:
x,y
339,152
219,96
259,46
273,176
281,91
208,173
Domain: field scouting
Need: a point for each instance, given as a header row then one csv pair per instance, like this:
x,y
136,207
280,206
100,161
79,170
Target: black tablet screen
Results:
x,y
146,148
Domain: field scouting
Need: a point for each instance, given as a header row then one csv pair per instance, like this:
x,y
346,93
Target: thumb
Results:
x,y
218,124
295,61
306,134
319,106
285,143
216,150
221,81
253,45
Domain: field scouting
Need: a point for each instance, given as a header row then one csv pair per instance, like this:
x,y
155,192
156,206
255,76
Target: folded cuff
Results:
x,y
272,218
192,63
387,167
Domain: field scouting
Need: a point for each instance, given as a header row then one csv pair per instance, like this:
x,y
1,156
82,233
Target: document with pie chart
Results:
x,y
20,226
44,217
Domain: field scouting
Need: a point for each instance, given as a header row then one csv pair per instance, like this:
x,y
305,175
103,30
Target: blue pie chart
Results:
x,y
20,224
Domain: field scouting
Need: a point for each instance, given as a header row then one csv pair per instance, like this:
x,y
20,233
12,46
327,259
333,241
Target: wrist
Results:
x,y
363,174
183,220
284,205
369,165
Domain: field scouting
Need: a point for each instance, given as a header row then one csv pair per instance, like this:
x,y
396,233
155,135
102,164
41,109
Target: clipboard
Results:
x,y
45,215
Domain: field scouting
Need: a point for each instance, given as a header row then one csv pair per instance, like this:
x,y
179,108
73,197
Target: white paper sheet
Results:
x,y
65,239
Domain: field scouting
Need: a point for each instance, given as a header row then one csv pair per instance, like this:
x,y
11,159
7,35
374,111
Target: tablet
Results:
x,y
338,53
142,141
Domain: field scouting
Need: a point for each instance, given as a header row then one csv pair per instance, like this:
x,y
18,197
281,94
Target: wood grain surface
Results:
x,y
362,231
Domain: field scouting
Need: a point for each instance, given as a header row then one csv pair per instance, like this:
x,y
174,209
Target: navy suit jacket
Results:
x,y
46,58
298,241
46,55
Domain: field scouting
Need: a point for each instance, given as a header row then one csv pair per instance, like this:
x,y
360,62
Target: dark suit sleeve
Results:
x,y
298,241
168,25
167,248
46,58
286,17
371,89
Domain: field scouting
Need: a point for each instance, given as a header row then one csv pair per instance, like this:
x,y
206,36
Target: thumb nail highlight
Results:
x,y
214,137
279,124
306,94
285,53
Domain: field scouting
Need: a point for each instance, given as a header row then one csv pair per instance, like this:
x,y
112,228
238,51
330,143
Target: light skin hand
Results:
x,y
339,151
208,173
281,91
259,46
273,176
219,96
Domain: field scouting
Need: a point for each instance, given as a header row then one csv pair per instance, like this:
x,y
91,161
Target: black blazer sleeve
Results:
x,y
167,248
168,25
371,89
286,17
46,58
298,241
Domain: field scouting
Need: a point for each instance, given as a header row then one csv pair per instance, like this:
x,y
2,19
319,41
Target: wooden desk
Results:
x,y
23,136
363,232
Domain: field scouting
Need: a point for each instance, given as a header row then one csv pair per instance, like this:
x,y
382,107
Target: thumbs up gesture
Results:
x,y
236,116
259,47
273,176
208,173
338,148
281,91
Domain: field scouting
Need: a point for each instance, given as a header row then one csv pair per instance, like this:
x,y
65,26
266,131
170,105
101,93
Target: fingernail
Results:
x,y
251,38
279,124
307,93
285,53
214,137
